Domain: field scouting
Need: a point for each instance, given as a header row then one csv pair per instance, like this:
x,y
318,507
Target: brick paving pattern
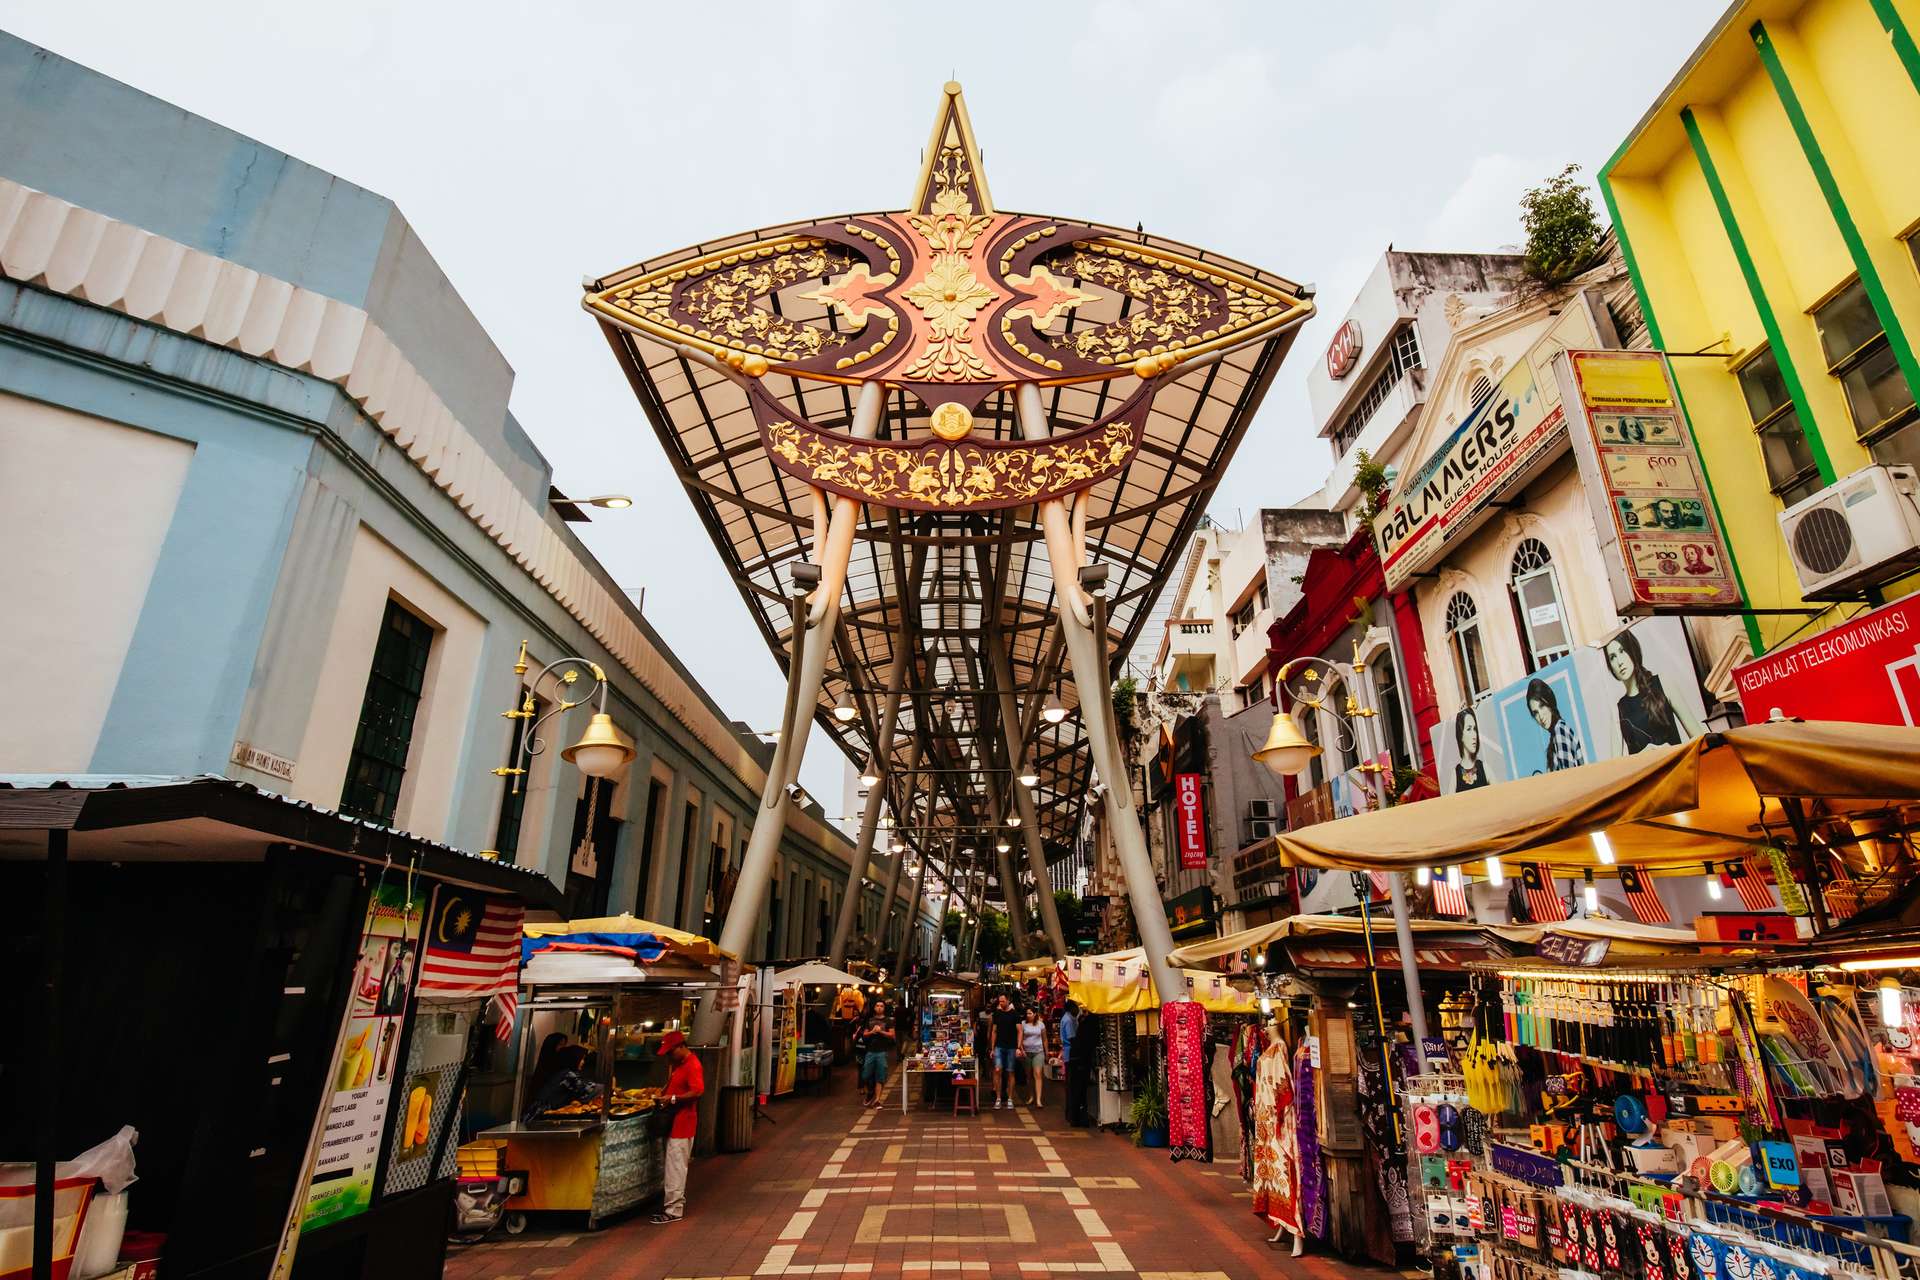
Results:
x,y
833,1189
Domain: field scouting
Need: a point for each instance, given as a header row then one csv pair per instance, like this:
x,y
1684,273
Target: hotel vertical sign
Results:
x,y
1663,548
1190,821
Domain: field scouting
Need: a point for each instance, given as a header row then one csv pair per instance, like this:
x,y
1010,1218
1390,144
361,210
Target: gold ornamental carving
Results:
x,y
940,476
950,421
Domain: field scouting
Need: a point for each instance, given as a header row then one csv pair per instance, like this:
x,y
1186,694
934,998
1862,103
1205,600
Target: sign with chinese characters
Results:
x,y
1343,353
1501,443
1867,670
1662,545
1190,821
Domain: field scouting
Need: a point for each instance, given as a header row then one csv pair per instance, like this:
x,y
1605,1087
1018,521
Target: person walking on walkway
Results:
x,y
873,1048
1076,1060
685,1083
1033,1047
1006,1046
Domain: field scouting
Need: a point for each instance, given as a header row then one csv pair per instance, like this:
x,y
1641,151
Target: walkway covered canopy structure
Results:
x,y
948,456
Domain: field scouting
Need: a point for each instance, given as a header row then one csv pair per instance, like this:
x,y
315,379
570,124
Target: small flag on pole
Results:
x,y
1544,902
1646,904
1745,879
1450,895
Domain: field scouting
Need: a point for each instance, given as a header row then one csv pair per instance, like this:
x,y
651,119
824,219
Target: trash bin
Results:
x,y
736,1118
708,1104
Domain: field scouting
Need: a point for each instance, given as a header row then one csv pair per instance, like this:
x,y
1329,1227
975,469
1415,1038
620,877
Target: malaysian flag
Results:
x,y
1646,904
1449,895
1381,886
473,949
1544,902
1744,877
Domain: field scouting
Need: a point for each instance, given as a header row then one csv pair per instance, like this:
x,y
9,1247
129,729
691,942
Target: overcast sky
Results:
x,y
531,145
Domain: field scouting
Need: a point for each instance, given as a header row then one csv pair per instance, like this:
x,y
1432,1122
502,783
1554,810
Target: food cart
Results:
x,y
588,1134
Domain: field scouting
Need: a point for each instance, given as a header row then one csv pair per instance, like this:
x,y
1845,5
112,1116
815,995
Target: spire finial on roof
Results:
x,y
952,159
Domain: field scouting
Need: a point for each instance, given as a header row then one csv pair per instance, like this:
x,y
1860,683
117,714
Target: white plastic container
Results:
x,y
100,1236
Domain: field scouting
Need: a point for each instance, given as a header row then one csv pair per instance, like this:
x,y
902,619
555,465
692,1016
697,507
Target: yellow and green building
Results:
x,y
1769,208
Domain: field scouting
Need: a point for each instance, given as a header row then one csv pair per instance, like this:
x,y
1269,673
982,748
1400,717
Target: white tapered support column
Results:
x,y
876,794
1086,655
814,622
913,914
893,868
1002,672
1018,924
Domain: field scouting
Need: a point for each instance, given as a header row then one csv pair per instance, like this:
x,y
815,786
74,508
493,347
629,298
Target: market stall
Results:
x,y
944,1052
1714,1103
588,1134
797,988
263,990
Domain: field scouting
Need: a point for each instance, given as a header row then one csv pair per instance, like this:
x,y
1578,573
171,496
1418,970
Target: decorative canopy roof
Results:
x,y
748,354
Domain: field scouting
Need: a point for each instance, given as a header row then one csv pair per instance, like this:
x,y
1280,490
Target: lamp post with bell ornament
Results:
x,y
1288,751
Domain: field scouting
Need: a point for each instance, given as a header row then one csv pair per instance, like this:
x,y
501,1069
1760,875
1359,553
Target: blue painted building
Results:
x,y
268,515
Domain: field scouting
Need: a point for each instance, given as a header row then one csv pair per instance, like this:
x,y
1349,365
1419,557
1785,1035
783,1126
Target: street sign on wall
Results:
x,y
1867,669
1190,821
1662,546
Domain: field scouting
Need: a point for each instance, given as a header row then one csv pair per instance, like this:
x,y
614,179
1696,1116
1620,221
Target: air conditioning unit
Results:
x,y
1263,809
1262,829
1858,533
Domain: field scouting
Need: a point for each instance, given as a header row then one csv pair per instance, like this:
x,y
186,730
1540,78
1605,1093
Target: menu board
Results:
x,y
341,1182
1663,547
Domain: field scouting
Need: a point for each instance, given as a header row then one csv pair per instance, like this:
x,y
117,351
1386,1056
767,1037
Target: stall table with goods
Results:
x,y
1735,1101
946,1053
589,1130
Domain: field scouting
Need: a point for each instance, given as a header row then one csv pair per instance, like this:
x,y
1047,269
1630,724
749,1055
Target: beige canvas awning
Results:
x,y
1314,926
1666,809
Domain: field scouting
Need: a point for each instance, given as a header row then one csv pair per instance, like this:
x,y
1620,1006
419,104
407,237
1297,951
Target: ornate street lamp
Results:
x,y
602,750
1287,751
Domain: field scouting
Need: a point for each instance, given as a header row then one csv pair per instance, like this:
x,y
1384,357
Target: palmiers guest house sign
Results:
x,y
1502,442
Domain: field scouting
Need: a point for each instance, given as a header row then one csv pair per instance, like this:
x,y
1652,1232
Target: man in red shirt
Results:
x,y
685,1083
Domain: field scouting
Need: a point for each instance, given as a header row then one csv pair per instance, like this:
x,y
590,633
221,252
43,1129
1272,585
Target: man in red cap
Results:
x,y
685,1083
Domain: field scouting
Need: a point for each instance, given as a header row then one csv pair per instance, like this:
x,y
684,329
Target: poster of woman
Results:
x,y
1468,750
1655,698
1545,720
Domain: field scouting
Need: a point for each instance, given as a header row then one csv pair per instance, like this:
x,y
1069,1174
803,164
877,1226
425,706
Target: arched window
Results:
x,y
1537,607
1463,638
1482,388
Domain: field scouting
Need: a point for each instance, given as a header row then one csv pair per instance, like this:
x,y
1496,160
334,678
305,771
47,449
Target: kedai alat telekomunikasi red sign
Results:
x,y
1867,670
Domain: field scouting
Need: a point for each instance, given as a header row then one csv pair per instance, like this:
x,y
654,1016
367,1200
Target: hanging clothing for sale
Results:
x,y
1313,1185
1249,1042
1276,1149
1183,1024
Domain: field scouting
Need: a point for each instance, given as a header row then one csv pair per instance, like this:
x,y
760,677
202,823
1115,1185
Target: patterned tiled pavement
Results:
x,y
833,1189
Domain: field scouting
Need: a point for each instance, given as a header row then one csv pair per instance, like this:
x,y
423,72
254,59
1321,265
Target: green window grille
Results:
x,y
380,744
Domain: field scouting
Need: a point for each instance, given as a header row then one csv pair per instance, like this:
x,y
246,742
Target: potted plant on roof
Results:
x,y
1150,1114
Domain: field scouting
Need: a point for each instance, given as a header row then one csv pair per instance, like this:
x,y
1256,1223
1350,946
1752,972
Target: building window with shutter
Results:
x,y
1537,607
378,762
1463,639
